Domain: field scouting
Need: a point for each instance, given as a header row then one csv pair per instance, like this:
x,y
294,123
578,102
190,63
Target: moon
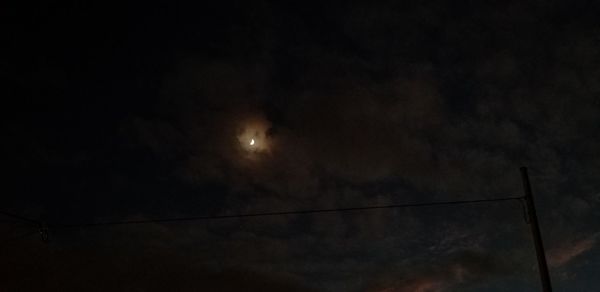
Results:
x,y
253,139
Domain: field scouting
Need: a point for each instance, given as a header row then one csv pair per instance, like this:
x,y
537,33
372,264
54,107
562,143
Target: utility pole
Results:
x,y
535,231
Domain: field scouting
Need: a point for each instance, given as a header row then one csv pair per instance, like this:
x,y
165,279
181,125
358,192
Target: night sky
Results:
x,y
149,110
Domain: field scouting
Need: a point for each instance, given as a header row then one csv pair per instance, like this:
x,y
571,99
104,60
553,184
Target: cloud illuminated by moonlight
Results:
x,y
253,137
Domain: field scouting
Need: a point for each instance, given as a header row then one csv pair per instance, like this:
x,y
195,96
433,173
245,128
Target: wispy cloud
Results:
x,y
561,256
464,268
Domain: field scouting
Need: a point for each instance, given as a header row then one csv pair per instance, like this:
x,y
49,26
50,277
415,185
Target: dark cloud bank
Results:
x,y
359,104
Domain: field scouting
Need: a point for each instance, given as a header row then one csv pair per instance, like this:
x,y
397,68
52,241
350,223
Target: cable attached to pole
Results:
x,y
281,213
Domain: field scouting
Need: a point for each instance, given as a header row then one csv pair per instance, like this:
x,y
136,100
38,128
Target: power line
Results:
x,y
18,237
19,217
13,222
282,213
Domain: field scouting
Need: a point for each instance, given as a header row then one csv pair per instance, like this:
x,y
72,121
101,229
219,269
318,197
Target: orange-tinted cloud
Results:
x,y
421,285
465,268
561,256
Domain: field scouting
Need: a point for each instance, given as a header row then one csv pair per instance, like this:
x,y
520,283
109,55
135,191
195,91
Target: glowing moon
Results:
x,y
253,138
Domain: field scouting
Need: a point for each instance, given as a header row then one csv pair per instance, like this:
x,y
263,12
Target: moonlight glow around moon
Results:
x,y
252,136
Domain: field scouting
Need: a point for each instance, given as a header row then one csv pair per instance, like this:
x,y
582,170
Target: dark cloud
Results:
x,y
126,270
350,105
460,270
447,129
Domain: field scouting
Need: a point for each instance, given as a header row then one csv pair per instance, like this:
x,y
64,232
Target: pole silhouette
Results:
x,y
535,231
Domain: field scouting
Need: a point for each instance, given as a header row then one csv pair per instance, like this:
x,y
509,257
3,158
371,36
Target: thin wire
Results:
x,y
12,222
22,236
281,213
15,216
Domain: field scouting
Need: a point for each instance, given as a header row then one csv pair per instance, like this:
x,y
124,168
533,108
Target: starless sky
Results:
x,y
147,110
